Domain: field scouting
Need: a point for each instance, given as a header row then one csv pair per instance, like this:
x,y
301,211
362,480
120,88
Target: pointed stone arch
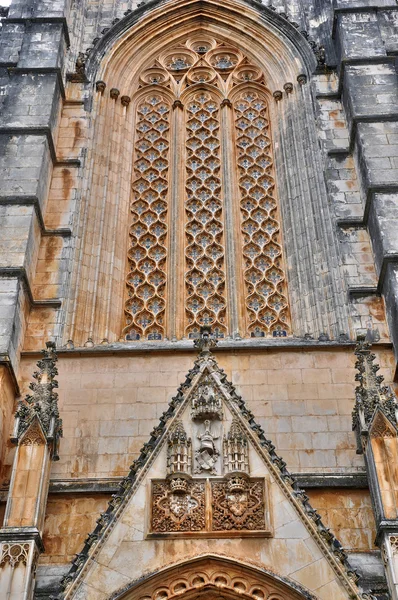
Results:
x,y
213,574
95,308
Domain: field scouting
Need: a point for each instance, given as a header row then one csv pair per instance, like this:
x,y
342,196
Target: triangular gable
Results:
x,y
121,527
381,426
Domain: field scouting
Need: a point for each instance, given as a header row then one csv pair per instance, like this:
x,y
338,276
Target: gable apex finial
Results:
x,y
206,341
370,394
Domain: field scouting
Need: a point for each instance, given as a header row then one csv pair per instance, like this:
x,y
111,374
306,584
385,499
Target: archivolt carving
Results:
x,y
266,299
146,280
221,575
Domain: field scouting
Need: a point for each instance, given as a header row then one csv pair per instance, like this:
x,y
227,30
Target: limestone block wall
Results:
x,y
303,399
110,402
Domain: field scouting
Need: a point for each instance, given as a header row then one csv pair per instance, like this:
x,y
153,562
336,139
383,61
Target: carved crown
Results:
x,y
237,483
178,485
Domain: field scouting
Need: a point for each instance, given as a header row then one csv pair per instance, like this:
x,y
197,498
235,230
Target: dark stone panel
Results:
x,y
43,46
29,100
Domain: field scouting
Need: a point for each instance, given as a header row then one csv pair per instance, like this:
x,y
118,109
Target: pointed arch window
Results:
x,y
205,241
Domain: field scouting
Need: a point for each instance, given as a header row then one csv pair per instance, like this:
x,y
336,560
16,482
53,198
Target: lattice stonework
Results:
x,y
146,280
188,171
266,295
205,277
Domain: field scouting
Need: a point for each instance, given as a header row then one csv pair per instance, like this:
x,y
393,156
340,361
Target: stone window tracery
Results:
x,y
202,121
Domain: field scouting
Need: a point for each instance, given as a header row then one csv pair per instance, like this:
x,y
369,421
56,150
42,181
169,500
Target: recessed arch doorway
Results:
x,y
213,577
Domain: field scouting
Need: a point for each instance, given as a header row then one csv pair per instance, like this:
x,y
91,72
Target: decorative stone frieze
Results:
x,y
234,506
178,510
13,554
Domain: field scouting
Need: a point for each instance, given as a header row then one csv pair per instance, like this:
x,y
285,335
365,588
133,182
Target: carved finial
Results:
x,y
236,450
205,342
179,453
43,401
370,394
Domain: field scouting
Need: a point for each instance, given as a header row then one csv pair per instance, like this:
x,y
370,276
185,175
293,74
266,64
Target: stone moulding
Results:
x,y
218,573
324,538
314,55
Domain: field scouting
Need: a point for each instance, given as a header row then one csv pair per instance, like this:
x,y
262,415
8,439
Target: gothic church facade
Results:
x,y
199,249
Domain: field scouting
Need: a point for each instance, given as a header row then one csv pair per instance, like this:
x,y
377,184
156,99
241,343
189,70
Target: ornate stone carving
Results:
x,y
33,436
206,401
238,504
173,511
266,293
205,341
216,577
146,281
42,404
14,554
370,394
203,67
236,450
393,539
207,454
204,253
179,452
382,428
